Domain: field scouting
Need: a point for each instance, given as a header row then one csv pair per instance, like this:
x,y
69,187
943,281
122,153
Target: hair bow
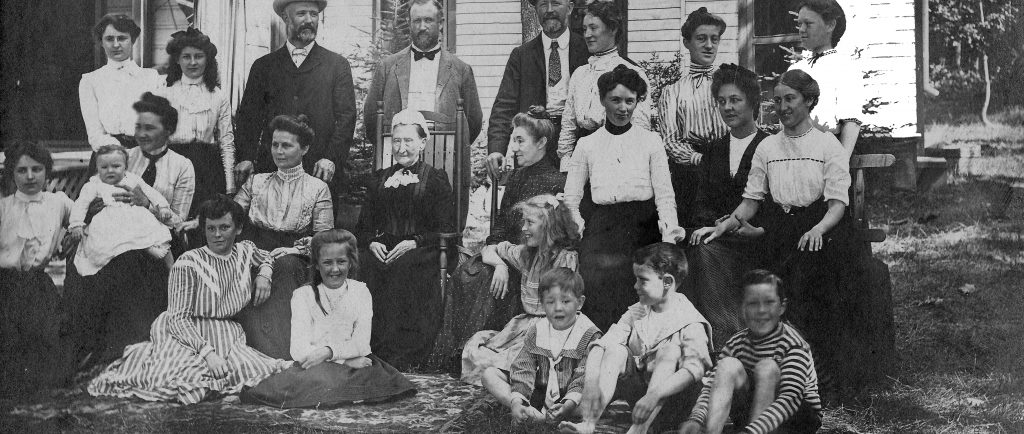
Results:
x,y
553,201
190,32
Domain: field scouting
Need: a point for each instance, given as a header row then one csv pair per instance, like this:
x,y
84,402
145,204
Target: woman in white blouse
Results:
x,y
626,169
808,240
204,134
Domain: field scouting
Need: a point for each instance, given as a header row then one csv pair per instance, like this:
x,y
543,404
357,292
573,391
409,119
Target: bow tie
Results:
x,y
699,74
300,52
814,57
417,54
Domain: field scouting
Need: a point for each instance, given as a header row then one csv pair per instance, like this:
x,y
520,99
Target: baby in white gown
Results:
x,y
120,227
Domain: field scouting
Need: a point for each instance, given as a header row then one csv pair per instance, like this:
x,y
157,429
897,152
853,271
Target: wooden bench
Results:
x,y
70,172
858,208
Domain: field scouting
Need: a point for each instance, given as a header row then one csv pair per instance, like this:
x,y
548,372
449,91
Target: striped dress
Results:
x,y
687,106
798,383
205,291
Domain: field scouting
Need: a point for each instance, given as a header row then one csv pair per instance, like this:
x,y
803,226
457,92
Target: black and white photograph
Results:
x,y
512,216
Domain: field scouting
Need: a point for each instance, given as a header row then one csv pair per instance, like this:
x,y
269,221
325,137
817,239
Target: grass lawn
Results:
x,y
956,255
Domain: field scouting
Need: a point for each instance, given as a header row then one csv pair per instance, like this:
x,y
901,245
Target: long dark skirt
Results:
x,y
469,308
113,308
29,332
329,385
612,234
714,283
268,327
824,289
406,305
209,166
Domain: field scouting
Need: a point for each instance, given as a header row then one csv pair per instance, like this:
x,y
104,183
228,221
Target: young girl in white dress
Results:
x,y
330,338
119,227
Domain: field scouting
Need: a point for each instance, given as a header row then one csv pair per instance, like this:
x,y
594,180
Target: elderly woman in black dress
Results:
x,y
408,206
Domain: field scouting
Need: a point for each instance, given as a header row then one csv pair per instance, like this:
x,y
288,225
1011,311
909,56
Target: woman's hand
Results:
x,y
242,171
218,366
499,282
283,251
580,223
358,362
316,357
671,234
399,250
189,225
747,230
379,251
138,198
812,240
525,413
698,235
324,169
561,411
76,233
262,290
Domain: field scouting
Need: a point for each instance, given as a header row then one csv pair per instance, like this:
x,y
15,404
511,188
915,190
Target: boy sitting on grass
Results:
x,y
548,373
658,349
765,379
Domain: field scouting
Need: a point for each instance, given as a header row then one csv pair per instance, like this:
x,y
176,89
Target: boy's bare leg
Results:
x,y
666,362
729,377
767,375
497,384
602,373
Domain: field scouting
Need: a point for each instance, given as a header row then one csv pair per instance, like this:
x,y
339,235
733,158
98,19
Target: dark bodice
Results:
x,y
720,192
418,211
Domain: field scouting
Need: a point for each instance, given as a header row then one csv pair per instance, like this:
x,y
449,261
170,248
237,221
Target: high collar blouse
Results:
x,y
289,200
31,228
106,96
583,107
203,116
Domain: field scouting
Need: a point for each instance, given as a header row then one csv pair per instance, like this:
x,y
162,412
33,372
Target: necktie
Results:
x,y
554,65
699,74
417,54
149,175
814,57
298,55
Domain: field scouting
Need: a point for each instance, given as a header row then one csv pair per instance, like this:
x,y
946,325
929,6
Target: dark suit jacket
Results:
x,y
321,89
391,84
525,84
720,193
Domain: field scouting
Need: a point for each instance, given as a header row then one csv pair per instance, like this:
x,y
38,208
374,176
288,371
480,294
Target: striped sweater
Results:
x,y
798,382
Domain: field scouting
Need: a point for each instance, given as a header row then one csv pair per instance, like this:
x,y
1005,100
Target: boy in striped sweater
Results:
x,y
765,379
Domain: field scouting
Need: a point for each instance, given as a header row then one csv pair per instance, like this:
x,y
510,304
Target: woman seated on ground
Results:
x,y
114,306
408,206
715,268
284,207
627,172
471,305
32,223
196,347
330,342
549,241
807,241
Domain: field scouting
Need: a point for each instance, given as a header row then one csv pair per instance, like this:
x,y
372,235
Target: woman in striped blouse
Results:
x,y
196,347
204,135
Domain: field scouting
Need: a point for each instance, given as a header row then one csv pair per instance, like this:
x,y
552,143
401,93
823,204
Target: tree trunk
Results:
x,y
531,25
985,73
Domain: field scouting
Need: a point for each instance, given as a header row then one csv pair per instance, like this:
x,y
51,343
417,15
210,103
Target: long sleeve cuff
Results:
x,y
574,397
205,351
266,270
565,163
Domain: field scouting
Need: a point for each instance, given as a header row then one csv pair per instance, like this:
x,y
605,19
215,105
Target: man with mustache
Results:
x,y
424,76
689,114
537,73
299,78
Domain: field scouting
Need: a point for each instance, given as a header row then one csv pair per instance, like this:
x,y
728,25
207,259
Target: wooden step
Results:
x,y
932,172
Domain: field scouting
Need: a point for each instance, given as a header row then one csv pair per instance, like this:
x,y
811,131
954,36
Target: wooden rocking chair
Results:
x,y
448,149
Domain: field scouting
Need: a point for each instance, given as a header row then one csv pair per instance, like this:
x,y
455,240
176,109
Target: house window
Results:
x,y
767,26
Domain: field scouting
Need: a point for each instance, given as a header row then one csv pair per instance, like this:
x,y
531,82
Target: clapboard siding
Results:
x,y
486,33
889,49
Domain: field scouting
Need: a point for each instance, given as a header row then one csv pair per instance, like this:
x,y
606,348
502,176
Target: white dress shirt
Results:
x,y
344,328
423,80
556,94
106,96
175,178
301,55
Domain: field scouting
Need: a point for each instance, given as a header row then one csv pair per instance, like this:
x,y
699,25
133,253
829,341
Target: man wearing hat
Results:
x,y
299,78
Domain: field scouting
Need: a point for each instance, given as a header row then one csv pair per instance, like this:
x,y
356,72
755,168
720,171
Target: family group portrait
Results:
x,y
512,216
